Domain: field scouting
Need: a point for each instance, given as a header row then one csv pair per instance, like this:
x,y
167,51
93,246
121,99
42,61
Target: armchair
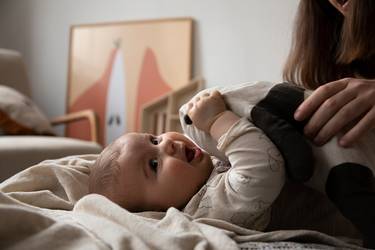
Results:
x,y
19,151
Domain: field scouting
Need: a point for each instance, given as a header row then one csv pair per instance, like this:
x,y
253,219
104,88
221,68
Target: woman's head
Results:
x,y
332,39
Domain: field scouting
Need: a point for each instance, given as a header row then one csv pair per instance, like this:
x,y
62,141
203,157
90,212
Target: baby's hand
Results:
x,y
205,109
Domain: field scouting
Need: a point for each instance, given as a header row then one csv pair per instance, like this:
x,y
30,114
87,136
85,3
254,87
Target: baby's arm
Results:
x,y
210,114
256,177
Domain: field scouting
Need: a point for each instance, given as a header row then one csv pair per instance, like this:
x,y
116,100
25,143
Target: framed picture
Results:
x,y
116,68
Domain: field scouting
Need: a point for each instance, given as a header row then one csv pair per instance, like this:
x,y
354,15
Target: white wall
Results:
x,y
235,40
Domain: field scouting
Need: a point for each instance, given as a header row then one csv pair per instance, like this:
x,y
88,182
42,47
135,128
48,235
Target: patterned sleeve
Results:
x,y
243,195
257,171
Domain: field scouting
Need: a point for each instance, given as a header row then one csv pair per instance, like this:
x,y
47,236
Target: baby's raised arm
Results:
x,y
209,113
243,194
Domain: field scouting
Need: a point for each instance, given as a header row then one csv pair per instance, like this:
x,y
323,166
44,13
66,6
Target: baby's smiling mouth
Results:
x,y
190,153
193,153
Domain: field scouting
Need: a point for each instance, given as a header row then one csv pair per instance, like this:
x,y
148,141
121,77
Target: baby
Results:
x,y
143,172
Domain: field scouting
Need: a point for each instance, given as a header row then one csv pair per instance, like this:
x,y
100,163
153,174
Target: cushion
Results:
x,y
20,152
20,116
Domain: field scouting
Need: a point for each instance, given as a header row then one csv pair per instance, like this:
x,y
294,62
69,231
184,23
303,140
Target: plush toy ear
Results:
x,y
274,115
187,120
297,153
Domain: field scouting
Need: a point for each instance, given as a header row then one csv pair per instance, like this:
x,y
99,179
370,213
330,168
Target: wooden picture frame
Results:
x,y
116,68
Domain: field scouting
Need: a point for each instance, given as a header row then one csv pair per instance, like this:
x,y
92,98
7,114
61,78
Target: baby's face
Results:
x,y
158,172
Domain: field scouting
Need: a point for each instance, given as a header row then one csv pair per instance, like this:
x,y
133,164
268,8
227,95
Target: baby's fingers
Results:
x,y
216,93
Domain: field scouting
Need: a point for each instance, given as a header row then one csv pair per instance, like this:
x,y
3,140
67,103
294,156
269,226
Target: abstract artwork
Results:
x,y
116,68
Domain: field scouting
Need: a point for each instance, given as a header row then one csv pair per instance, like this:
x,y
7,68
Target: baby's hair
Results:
x,y
105,171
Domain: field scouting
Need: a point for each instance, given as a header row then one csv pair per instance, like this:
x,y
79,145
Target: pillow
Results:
x,y
20,116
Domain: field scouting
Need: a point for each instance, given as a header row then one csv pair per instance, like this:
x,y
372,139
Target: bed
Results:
x,y
47,206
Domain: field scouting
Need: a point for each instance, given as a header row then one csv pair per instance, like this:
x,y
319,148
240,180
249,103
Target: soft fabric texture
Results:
x,y
242,99
47,207
20,152
20,116
13,71
243,192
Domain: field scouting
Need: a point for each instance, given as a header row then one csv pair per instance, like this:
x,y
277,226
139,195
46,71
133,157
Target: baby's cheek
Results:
x,y
180,176
178,167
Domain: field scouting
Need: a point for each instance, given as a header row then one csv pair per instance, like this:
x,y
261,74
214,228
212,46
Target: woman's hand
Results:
x,y
205,109
346,105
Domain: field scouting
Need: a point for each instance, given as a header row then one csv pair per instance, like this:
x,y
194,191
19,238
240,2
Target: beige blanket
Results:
x,y
47,207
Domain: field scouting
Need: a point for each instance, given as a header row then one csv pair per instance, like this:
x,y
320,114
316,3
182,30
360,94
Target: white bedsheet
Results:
x,y
47,207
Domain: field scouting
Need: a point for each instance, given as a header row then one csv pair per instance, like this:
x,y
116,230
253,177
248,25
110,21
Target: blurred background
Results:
x,y
234,41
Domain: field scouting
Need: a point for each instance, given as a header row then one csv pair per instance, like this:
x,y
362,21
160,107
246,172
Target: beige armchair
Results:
x,y
18,152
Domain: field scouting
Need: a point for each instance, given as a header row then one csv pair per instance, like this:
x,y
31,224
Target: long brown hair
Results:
x,y
327,46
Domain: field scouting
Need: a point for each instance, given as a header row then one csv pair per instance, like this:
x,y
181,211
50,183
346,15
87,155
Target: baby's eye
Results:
x,y
154,165
154,140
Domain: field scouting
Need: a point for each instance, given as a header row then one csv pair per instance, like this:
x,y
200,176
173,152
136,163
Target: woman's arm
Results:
x,y
346,105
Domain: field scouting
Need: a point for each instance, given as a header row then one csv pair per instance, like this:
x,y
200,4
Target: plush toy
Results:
x,y
344,174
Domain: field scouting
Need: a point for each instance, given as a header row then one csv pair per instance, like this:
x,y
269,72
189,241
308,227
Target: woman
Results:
x,y
334,48
333,51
